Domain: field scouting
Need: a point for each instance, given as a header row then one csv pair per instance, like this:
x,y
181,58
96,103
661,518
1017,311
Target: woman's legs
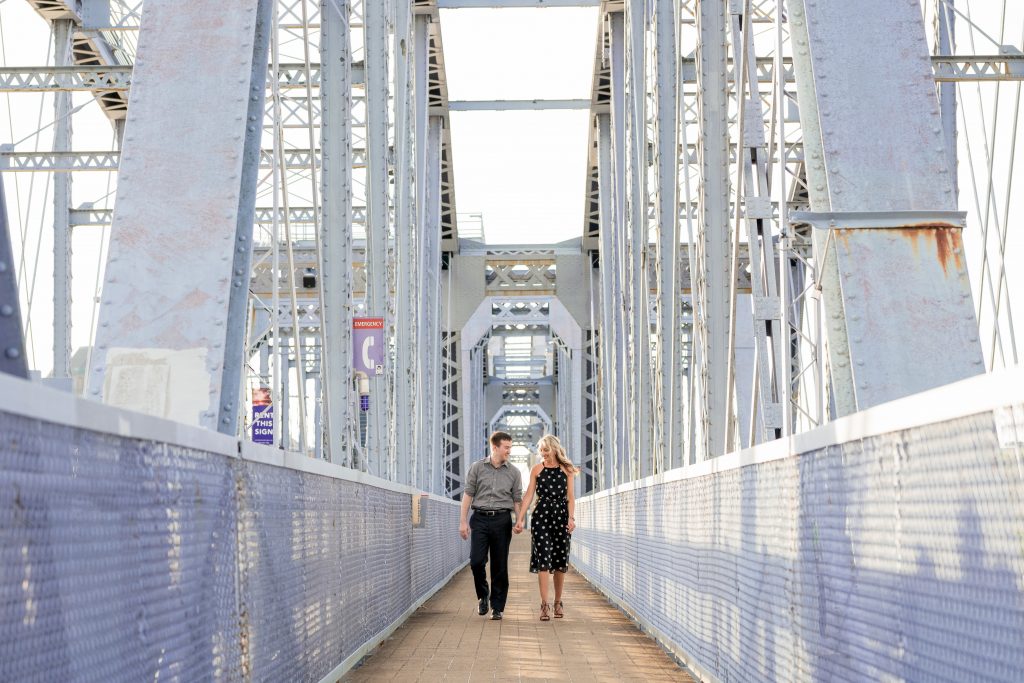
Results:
x,y
559,582
542,580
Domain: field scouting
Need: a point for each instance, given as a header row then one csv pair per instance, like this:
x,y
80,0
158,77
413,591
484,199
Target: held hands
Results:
x,y
464,530
518,528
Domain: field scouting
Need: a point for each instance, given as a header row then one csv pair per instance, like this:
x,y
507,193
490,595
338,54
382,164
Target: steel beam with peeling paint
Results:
x,y
171,320
895,285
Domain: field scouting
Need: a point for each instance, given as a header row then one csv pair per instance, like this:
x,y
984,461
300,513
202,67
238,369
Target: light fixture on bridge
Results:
x,y
309,278
364,392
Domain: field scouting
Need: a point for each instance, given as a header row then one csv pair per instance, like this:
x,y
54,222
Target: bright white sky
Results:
x,y
523,171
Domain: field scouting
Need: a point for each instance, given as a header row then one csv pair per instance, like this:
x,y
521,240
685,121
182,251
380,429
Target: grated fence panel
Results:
x,y
117,558
889,557
128,559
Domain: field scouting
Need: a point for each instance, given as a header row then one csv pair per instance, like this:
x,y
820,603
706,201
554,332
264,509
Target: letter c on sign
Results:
x,y
367,343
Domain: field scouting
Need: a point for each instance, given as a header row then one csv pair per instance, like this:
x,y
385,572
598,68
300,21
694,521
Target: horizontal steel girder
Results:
x,y
961,68
105,78
295,159
297,215
946,68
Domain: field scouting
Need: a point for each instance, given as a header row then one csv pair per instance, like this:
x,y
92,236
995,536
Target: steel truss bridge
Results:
x,y
781,350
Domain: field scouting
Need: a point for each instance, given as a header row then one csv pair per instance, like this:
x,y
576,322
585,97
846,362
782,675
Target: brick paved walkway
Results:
x,y
446,640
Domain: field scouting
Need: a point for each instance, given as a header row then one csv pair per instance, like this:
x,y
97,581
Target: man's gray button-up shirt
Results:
x,y
494,488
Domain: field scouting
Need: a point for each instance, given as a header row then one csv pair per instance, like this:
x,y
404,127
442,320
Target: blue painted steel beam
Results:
x,y
12,341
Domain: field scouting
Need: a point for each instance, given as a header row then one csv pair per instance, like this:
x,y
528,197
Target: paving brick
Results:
x,y
447,640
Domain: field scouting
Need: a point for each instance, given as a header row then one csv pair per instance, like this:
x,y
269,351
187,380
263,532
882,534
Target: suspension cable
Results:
x,y
279,145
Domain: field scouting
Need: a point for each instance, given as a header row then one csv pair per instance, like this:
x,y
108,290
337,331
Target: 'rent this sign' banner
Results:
x,y
262,417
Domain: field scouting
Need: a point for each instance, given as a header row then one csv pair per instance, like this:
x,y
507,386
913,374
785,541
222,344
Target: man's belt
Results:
x,y
490,513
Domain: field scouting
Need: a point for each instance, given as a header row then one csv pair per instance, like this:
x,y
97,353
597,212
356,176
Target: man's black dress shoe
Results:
x,y
495,615
482,609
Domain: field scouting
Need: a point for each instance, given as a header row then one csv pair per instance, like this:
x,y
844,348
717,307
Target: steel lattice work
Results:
x,y
706,312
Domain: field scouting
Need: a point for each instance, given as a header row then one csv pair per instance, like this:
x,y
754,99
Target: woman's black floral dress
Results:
x,y
549,551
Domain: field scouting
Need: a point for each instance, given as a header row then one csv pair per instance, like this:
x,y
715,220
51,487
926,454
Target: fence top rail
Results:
x,y
268,455
36,401
980,394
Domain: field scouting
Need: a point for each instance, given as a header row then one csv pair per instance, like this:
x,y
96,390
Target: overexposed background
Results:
x,y
523,172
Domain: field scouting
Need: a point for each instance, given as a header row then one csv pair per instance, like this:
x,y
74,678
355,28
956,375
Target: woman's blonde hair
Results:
x,y
552,442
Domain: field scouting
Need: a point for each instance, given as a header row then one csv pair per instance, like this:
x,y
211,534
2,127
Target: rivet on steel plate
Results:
x,y
12,353
6,310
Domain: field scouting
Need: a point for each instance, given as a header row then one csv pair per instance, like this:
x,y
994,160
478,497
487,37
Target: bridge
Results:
x,y
778,341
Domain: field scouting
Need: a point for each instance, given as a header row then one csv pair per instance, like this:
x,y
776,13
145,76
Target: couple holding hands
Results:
x,y
493,490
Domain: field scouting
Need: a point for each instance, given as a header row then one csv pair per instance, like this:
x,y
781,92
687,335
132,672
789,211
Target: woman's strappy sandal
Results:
x,y
558,610
545,611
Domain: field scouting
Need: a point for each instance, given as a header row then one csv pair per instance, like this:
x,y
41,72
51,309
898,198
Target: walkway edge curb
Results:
x,y
349,662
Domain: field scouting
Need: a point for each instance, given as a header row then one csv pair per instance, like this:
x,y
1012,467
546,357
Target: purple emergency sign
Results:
x,y
368,345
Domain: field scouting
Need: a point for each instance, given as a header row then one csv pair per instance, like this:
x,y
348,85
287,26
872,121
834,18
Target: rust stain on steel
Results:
x,y
948,240
948,245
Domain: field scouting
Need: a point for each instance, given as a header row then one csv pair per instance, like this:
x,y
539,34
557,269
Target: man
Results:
x,y
493,489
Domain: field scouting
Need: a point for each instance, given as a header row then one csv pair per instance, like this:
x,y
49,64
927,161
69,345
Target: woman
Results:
x,y
552,522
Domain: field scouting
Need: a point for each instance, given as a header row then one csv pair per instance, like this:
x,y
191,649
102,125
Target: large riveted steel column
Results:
x,y
62,29
377,218
607,262
336,225
711,309
886,232
431,318
618,271
640,343
404,399
669,413
12,339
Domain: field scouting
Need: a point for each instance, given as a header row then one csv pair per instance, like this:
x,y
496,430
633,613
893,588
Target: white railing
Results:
x,y
133,548
883,546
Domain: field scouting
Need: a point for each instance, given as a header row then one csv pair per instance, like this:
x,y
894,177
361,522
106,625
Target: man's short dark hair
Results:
x,y
498,437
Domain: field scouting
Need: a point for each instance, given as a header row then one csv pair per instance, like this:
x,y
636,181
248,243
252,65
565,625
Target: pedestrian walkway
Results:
x,y
446,640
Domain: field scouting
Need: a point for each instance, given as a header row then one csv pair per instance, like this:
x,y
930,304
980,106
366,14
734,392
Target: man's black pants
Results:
x,y
490,533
